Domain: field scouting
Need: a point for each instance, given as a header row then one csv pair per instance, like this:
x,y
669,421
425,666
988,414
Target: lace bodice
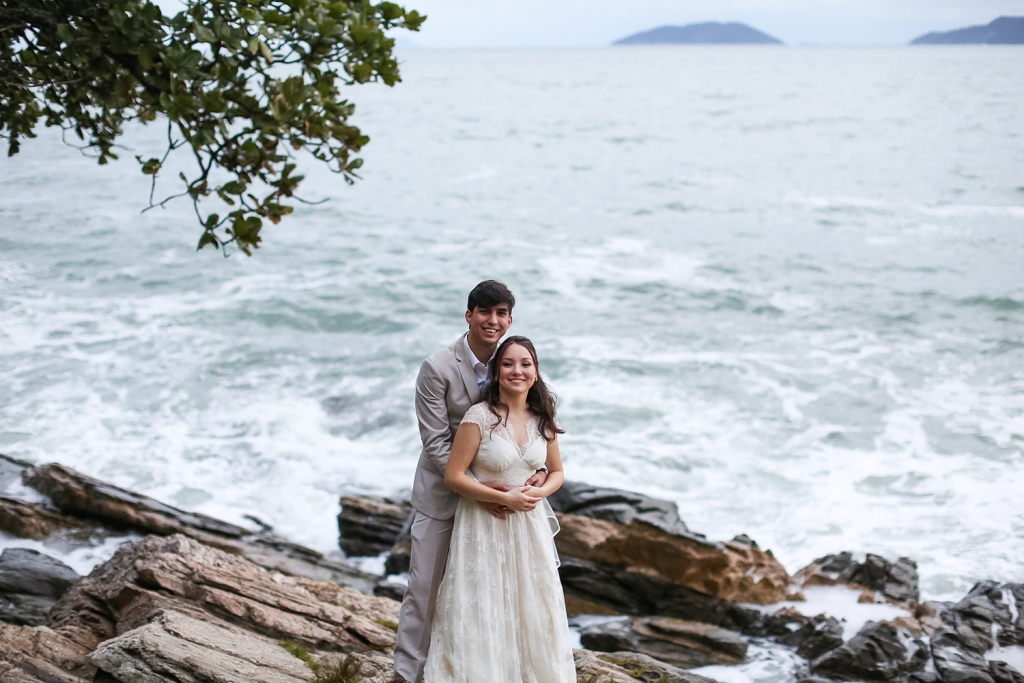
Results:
x,y
499,458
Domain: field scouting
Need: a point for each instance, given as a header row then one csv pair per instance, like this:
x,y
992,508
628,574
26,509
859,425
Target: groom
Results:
x,y
450,381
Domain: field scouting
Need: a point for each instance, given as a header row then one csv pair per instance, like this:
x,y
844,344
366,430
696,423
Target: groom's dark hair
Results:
x,y
489,294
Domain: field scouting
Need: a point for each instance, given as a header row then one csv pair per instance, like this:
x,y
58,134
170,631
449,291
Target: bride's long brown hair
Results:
x,y
539,399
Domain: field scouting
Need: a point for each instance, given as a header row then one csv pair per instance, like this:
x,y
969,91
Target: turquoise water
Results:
x,y
780,286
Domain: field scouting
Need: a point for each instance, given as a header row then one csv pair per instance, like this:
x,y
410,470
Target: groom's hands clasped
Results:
x,y
496,509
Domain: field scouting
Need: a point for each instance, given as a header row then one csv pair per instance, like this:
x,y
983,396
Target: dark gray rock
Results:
x,y
30,584
966,634
826,634
370,525
897,581
1004,31
876,653
616,505
684,644
619,590
389,590
1004,673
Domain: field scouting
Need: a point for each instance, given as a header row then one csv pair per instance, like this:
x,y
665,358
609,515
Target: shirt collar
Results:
x,y
472,356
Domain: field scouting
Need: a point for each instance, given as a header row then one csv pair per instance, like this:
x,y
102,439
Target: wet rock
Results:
x,y
85,498
179,574
629,667
684,644
731,571
274,553
812,636
27,520
972,627
370,525
594,588
75,493
30,583
393,591
827,634
896,581
1004,673
616,505
877,653
35,654
175,648
400,557
787,625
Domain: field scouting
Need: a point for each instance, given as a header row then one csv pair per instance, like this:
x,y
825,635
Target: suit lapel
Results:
x,y
466,370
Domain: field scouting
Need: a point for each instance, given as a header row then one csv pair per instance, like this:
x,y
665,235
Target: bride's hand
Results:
x,y
520,500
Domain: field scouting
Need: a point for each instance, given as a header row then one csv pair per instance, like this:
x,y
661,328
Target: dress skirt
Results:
x,y
500,615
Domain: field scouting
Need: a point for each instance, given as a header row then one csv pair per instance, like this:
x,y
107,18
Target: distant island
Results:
x,y
1002,31
710,33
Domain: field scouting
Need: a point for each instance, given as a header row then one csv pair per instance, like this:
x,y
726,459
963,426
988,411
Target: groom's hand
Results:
x,y
537,479
496,509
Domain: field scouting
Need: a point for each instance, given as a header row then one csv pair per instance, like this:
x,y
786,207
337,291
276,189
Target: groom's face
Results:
x,y
488,325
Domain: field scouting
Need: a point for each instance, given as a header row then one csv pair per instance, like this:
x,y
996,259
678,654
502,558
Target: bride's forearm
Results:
x,y
465,485
552,484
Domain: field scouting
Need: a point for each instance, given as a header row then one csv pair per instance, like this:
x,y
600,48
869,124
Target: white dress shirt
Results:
x,y
480,370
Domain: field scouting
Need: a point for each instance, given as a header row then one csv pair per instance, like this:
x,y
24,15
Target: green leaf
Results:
x,y
208,238
151,167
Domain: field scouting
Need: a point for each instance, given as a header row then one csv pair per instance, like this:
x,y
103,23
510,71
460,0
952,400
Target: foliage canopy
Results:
x,y
242,84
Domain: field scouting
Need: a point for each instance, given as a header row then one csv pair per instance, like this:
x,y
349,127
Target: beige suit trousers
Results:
x,y
430,540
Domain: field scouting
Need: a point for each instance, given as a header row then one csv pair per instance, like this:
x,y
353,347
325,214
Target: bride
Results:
x,y
500,614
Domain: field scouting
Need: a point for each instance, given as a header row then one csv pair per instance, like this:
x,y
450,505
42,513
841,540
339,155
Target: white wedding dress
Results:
x,y
500,614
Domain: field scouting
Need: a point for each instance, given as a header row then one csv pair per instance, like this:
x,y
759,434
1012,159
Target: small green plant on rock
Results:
x,y
346,671
349,670
302,653
387,623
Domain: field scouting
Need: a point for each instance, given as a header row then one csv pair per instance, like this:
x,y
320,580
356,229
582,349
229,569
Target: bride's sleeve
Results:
x,y
477,414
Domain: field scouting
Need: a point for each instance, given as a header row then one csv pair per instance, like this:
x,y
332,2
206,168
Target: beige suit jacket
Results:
x,y
445,390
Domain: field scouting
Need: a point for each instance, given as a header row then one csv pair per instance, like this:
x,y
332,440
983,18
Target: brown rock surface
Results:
x,y
734,571
76,494
29,654
175,648
369,525
27,520
684,644
629,667
179,574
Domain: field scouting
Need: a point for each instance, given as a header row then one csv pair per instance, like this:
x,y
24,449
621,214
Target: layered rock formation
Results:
x,y
684,644
197,599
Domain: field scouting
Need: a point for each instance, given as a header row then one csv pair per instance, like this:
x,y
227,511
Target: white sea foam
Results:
x,y
842,603
82,557
767,663
747,304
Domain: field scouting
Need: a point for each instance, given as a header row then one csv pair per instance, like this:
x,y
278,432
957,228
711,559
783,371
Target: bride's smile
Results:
x,y
517,373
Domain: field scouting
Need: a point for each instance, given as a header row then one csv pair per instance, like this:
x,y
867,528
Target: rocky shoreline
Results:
x,y
189,598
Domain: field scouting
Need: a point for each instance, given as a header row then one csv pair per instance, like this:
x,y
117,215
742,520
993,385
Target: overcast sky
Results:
x,y
554,23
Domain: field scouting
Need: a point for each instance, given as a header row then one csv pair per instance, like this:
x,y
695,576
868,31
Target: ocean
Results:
x,y
782,287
